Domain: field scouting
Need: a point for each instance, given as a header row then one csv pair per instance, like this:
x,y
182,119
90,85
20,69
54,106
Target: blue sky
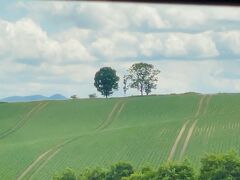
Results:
x,y
56,47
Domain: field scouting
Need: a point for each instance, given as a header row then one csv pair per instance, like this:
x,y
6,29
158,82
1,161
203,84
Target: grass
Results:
x,y
45,137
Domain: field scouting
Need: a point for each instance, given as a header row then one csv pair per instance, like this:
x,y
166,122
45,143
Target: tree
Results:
x,y
143,77
68,174
106,81
220,166
119,170
91,96
92,174
125,86
172,171
73,96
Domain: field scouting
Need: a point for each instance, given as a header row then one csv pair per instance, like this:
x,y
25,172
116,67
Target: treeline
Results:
x,y
213,167
141,76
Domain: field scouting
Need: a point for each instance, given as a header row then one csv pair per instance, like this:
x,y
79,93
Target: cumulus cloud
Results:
x,y
117,45
24,39
209,76
179,45
229,41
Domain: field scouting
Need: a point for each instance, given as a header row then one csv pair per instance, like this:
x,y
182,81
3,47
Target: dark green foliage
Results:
x,y
74,96
68,174
119,171
213,167
220,166
148,173
173,171
106,81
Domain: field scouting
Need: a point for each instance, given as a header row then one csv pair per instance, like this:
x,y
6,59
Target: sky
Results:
x,y
51,47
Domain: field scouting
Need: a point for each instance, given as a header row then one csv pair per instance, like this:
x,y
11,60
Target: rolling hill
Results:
x,y
39,138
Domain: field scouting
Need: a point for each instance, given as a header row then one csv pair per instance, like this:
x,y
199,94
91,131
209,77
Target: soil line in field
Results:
x,y
188,128
23,121
46,156
202,109
117,108
174,147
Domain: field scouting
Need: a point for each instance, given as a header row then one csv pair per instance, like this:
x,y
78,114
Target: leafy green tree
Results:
x,y
106,81
146,174
119,171
68,174
95,174
220,166
143,77
173,171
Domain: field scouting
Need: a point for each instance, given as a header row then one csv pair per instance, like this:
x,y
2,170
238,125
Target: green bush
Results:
x,y
220,166
119,171
213,167
173,171
68,174
95,174
146,174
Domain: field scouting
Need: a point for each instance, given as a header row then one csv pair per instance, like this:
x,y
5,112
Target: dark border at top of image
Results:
x,y
194,2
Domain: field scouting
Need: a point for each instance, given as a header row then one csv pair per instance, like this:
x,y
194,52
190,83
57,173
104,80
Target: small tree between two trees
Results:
x,y
141,76
106,81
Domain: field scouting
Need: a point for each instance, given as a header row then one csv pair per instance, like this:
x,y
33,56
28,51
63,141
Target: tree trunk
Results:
x,y
141,89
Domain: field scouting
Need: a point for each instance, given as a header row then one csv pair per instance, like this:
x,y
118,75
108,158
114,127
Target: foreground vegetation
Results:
x,y
213,167
40,138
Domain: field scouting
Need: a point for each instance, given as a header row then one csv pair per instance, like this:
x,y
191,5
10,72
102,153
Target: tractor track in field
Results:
x,y
40,161
202,109
113,115
189,126
46,156
174,147
23,120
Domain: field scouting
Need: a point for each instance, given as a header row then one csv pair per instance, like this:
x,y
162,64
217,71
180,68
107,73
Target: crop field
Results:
x,y
38,139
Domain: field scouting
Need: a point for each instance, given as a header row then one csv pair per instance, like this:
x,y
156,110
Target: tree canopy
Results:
x,y
106,81
143,77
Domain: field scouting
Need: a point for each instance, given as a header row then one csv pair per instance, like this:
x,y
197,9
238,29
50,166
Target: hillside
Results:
x,y
39,138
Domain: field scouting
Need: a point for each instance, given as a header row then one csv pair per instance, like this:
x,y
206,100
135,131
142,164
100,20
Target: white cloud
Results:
x,y
25,39
200,76
230,40
148,17
181,45
185,16
116,45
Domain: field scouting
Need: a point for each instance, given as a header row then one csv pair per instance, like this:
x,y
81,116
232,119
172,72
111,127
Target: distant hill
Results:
x,y
32,98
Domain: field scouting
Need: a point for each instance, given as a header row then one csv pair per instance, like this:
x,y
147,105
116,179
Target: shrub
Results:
x,y
68,174
91,96
220,166
95,174
173,171
119,171
146,174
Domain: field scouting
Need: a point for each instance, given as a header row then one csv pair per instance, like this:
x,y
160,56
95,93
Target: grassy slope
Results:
x,y
142,130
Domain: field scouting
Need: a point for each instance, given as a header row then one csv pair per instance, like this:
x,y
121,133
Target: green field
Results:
x,y
38,139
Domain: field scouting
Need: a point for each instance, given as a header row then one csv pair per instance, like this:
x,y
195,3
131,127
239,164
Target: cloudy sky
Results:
x,y
56,47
